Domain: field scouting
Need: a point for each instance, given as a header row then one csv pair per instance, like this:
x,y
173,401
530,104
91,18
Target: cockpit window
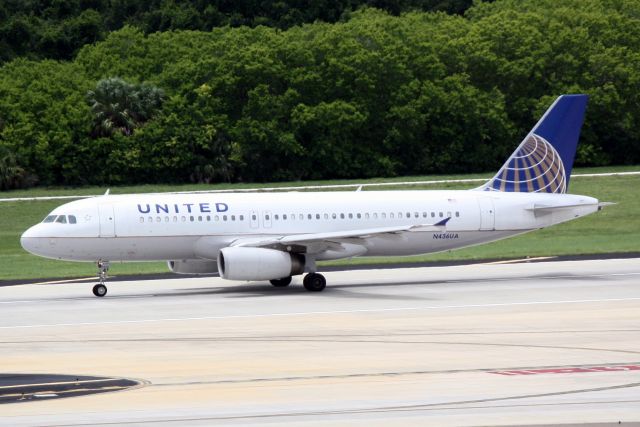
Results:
x,y
62,219
72,219
50,218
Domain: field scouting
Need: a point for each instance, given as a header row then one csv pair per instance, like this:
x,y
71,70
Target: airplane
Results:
x,y
274,236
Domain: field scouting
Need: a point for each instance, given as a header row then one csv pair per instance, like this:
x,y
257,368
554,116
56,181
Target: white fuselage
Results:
x,y
147,227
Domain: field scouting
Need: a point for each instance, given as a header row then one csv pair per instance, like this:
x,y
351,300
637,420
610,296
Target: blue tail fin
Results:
x,y
543,161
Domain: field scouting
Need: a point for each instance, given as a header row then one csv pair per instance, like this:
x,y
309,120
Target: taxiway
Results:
x,y
485,344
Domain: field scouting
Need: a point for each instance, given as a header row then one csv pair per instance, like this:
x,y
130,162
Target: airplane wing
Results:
x,y
336,240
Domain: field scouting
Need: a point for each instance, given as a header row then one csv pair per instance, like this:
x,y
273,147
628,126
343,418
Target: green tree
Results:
x,y
12,175
119,106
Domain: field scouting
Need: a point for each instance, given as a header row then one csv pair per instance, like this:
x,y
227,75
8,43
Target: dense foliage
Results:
x,y
57,29
372,95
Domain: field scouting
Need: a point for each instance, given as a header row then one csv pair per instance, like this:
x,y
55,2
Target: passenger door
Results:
x,y
107,220
487,213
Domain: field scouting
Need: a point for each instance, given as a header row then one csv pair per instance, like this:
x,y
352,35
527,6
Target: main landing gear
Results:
x,y
281,283
100,289
313,282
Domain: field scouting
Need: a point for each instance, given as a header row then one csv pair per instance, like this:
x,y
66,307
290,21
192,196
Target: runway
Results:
x,y
489,344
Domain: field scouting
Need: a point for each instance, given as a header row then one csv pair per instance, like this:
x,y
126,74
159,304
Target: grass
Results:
x,y
615,229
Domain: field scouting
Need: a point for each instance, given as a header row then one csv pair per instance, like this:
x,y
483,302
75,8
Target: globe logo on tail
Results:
x,y
536,167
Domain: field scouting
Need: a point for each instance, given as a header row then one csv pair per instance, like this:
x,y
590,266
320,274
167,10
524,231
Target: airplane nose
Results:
x,y
29,241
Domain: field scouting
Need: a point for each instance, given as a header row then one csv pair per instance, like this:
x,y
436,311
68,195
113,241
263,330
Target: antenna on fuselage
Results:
x,y
106,193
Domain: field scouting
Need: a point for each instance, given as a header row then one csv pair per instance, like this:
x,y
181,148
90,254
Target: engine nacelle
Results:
x,y
242,263
193,266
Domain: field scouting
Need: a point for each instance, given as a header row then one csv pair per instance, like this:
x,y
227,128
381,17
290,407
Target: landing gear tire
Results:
x,y
281,283
99,290
314,282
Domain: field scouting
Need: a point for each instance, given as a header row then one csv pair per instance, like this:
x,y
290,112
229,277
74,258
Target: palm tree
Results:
x,y
119,106
11,173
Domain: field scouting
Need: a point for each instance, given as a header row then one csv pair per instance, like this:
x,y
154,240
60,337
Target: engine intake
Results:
x,y
241,263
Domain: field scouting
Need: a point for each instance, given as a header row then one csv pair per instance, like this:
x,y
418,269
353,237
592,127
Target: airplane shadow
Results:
x,y
346,290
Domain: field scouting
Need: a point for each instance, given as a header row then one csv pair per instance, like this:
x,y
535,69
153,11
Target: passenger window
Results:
x,y
208,217
433,214
183,218
216,218
50,218
309,216
72,219
175,218
62,219
334,216
253,217
448,214
284,217
441,215
300,217
424,214
276,217
341,216
191,218
358,216
150,219
391,215
326,216
416,214
200,218
350,216
317,216
141,219
457,214
408,214
166,219
375,215
242,217
384,215
233,218
224,217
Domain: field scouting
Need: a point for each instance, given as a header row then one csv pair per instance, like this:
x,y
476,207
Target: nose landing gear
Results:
x,y
100,289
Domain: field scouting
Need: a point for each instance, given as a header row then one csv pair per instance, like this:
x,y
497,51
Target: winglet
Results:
x,y
443,222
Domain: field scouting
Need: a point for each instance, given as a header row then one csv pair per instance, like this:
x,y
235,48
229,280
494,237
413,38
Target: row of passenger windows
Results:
x,y
375,215
301,217
191,218
61,219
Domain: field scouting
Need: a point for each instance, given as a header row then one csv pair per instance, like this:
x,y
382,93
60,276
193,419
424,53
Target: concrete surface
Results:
x,y
489,344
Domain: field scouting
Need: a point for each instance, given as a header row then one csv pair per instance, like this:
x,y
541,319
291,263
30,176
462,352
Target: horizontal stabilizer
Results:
x,y
543,209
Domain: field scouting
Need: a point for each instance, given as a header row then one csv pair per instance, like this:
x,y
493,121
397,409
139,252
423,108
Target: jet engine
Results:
x,y
242,263
193,266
